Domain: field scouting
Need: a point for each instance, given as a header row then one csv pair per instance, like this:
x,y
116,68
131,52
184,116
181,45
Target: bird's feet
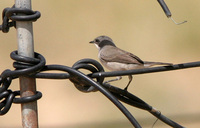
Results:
x,y
130,79
117,78
126,88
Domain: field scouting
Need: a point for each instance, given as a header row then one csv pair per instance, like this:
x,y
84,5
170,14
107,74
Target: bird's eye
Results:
x,y
97,40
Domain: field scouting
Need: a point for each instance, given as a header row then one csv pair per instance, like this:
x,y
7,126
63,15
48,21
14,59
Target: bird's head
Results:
x,y
102,41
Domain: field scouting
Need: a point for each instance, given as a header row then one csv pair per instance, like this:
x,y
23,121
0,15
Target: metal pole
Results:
x,y
27,85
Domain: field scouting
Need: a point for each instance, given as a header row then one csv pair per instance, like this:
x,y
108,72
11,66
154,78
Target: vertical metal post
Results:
x,y
27,85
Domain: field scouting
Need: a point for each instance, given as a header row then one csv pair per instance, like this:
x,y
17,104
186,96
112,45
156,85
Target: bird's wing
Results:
x,y
114,54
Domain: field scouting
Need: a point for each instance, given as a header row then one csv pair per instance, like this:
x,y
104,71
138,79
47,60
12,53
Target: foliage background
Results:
x,y
62,35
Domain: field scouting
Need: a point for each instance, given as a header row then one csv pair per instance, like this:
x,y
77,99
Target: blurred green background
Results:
x,y
62,34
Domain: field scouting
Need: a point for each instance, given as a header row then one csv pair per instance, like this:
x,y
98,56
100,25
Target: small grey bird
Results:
x,y
116,59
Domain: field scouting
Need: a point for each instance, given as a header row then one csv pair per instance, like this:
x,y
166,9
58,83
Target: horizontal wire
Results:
x,y
120,73
147,70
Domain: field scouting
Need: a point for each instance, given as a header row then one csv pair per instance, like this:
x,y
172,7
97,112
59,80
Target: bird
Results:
x,y
116,59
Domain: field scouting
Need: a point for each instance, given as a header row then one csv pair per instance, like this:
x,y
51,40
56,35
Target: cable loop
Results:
x,y
17,14
28,15
90,65
25,66
27,99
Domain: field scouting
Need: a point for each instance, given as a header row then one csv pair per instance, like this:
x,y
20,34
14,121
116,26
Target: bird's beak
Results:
x,y
92,42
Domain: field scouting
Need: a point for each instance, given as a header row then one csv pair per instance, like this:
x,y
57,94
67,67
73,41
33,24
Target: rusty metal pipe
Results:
x,y
27,85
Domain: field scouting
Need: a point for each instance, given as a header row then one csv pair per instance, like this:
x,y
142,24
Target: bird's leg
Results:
x,y
117,78
130,79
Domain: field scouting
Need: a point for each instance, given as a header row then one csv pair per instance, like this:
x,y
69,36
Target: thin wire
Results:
x,y
154,123
176,22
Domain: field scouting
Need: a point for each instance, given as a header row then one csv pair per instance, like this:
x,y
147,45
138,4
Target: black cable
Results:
x,y
165,8
134,101
73,72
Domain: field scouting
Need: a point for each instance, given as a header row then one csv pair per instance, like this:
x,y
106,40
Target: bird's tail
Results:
x,y
149,64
